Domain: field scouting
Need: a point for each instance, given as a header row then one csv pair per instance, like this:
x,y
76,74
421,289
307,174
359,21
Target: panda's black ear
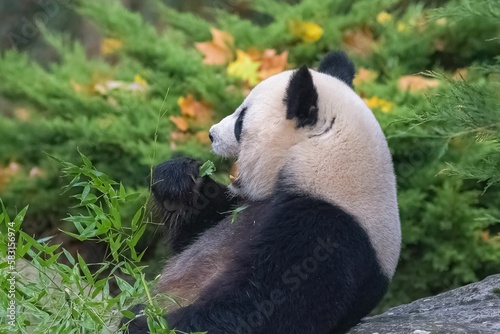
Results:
x,y
301,98
338,65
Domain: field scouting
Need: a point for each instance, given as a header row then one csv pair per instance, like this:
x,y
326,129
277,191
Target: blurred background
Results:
x,y
132,83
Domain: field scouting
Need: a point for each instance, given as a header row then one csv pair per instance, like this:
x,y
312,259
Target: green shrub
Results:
x,y
58,292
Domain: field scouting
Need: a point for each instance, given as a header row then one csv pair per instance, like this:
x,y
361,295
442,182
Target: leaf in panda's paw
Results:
x,y
308,32
207,169
219,50
244,68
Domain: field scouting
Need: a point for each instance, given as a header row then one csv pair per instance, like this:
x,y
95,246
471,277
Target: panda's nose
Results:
x,y
211,137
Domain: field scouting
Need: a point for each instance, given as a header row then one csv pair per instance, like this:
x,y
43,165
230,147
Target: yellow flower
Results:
x,y
401,27
378,103
244,68
442,21
384,17
110,45
140,80
307,31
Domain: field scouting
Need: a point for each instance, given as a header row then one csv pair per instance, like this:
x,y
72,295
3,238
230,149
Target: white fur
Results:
x,y
348,165
224,139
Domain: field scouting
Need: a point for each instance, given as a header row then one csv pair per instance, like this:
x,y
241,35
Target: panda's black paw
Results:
x,y
137,325
176,181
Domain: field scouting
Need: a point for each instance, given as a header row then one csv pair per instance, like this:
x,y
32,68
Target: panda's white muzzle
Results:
x,y
223,139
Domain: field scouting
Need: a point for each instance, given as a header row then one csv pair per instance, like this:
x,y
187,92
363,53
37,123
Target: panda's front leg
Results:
x,y
186,203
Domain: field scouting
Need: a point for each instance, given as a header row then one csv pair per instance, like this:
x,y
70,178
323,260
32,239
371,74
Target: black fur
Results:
x,y
175,180
303,266
139,325
238,126
338,65
302,98
185,203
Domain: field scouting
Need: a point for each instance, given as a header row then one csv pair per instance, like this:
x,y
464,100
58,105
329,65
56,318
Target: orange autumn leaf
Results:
x,y
180,122
76,86
485,235
415,83
359,41
219,50
194,114
364,75
202,137
22,114
440,44
460,73
200,112
7,172
176,136
255,54
272,63
110,45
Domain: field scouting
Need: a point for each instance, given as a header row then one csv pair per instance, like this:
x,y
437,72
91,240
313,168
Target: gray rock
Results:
x,y
471,309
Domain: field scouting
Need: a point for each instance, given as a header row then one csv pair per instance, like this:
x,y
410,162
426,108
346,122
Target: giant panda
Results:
x,y
317,237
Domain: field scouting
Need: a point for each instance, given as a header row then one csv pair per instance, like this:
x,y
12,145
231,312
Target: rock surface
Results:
x,y
471,309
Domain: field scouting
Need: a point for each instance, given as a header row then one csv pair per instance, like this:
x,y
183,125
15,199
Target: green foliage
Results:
x,y
208,168
449,193
445,141
468,112
58,292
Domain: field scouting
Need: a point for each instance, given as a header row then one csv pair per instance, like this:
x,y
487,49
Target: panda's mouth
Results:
x,y
233,174
235,187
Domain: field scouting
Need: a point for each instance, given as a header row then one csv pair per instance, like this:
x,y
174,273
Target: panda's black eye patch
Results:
x,y
238,126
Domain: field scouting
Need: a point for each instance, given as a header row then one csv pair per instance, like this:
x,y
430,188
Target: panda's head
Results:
x,y
308,132
292,124
286,99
